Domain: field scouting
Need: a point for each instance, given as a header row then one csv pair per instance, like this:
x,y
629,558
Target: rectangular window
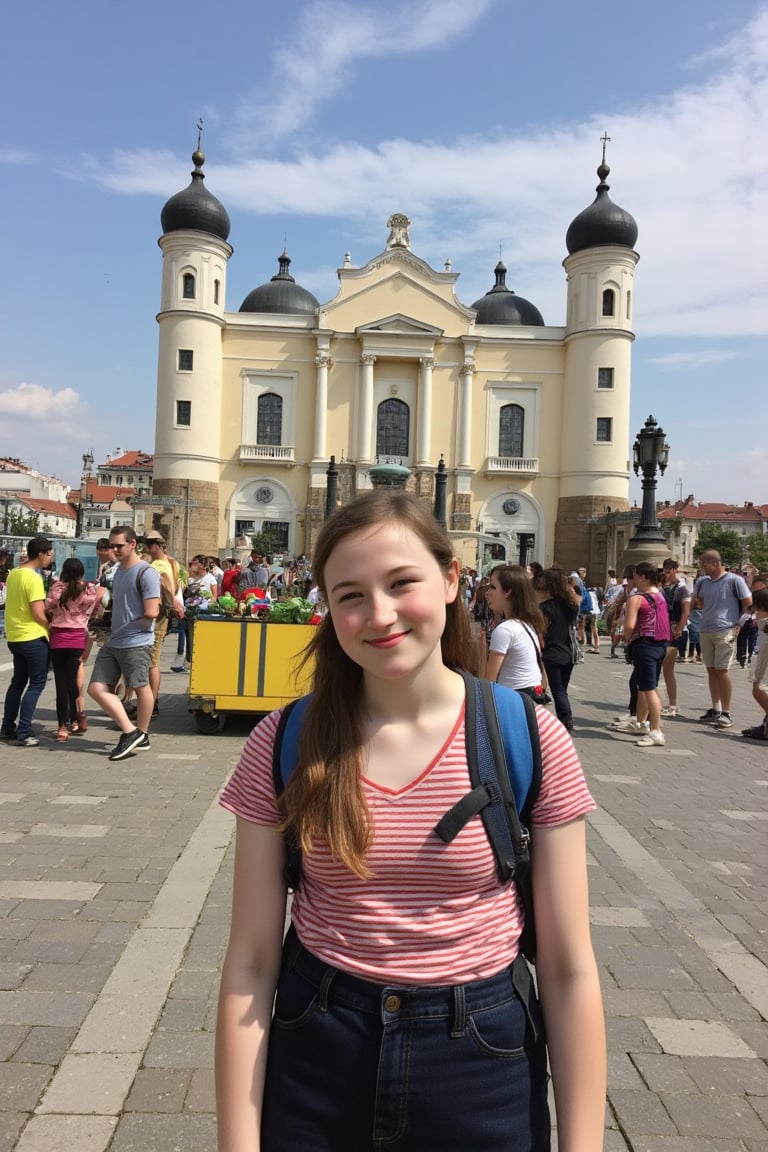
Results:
x,y
216,291
604,432
186,358
605,377
184,412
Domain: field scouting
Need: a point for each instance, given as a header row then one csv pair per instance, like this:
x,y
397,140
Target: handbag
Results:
x,y
539,694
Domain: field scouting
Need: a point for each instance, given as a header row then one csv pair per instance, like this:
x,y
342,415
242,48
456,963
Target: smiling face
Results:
x,y
387,597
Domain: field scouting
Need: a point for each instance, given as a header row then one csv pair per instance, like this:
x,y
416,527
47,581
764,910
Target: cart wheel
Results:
x,y
209,723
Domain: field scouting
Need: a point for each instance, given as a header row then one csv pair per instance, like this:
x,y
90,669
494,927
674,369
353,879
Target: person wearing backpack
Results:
x,y
398,1018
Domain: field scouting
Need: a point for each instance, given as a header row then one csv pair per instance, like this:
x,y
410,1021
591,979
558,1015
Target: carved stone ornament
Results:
x,y
468,367
264,494
368,358
511,507
398,231
323,360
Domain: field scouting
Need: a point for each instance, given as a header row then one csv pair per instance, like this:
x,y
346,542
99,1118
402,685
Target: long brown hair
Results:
x,y
324,797
521,603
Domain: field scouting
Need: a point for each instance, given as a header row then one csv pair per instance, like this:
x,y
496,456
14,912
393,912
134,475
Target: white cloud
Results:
x,y
34,402
331,38
691,165
693,359
17,156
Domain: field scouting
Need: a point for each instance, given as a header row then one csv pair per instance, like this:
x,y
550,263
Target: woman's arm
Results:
x,y
248,981
569,986
630,617
493,665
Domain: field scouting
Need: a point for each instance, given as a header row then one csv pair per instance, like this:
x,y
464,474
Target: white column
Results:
x,y
365,425
465,415
425,410
323,362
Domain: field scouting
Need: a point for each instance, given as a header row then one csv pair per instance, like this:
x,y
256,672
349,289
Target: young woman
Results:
x,y
559,604
69,606
647,629
396,1023
201,584
514,659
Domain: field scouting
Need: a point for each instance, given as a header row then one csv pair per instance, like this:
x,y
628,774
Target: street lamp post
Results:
x,y
650,453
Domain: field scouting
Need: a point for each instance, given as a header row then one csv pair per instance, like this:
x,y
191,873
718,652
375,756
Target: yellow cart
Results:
x,y
244,666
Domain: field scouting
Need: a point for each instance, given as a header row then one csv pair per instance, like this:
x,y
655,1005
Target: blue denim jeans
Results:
x,y
30,668
414,1069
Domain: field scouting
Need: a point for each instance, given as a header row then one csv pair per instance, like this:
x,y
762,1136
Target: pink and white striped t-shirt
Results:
x,y
433,913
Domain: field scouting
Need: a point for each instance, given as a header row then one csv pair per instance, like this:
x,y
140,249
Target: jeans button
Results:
x,y
392,1003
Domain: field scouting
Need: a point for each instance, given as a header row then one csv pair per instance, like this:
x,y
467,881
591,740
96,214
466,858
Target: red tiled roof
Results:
x,y
136,459
101,493
739,513
52,507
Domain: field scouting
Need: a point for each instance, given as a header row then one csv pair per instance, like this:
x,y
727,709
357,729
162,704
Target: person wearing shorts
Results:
x,y
127,653
760,664
723,598
647,630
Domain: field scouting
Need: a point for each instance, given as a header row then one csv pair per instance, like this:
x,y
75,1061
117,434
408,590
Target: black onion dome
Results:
x,y
195,209
602,223
281,294
502,306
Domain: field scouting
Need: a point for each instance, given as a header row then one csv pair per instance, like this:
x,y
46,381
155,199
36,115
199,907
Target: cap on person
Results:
x,y
156,536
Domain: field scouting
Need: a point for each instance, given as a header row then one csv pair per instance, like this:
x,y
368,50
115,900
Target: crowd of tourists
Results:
x,y
53,621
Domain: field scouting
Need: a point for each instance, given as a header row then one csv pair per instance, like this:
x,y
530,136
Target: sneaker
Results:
x,y
631,725
723,721
670,712
27,742
710,716
143,744
759,732
126,745
651,740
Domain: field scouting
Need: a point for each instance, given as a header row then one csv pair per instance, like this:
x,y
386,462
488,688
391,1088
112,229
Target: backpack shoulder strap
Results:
x,y
503,763
285,755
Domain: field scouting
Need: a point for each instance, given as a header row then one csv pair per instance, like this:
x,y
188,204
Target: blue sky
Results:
x,y
481,121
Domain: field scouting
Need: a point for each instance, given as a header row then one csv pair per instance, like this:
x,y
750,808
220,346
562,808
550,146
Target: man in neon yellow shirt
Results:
x,y
26,630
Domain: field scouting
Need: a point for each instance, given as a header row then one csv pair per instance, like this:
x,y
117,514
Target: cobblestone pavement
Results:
x,y
114,903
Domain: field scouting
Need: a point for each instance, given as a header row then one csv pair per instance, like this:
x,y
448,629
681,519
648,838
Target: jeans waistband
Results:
x,y
421,999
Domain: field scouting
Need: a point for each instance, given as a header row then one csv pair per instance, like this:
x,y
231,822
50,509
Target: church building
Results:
x,y
529,419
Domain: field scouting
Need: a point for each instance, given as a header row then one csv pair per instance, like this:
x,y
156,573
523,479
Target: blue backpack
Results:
x,y
504,759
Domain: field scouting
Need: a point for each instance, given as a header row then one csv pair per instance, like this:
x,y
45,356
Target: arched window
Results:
x,y
269,419
609,302
189,286
393,419
511,430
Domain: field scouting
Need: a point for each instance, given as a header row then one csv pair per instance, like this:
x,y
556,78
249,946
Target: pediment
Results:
x,y
399,325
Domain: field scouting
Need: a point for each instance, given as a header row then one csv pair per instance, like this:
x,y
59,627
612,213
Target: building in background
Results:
x,y
531,419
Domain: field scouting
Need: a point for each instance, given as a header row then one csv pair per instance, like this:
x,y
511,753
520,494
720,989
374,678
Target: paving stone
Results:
x,y
13,975
697,1038
54,952
158,1090
184,1015
663,1073
721,1115
724,1076
86,1084
658,979
641,1114
44,1008
180,1050
190,1132
11,1124
201,1096
21,1085
44,1045
67,1134
11,1036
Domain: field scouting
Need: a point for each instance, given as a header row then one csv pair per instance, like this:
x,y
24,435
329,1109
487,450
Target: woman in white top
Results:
x,y
515,651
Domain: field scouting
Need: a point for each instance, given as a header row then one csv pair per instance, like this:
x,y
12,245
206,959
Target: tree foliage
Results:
x,y
757,550
267,541
22,524
723,540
